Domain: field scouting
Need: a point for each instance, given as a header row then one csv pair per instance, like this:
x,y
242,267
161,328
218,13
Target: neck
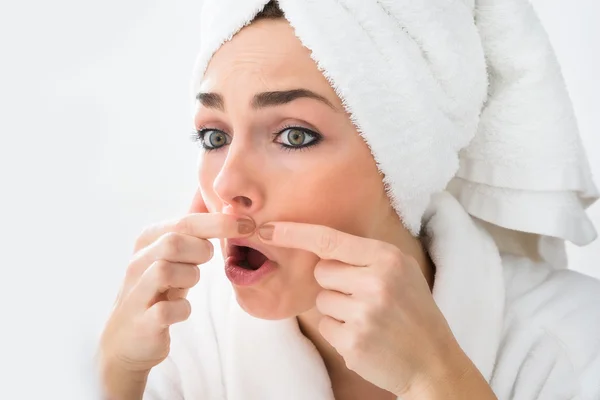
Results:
x,y
412,247
309,326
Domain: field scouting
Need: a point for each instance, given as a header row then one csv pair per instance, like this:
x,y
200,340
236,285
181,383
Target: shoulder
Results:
x,y
552,326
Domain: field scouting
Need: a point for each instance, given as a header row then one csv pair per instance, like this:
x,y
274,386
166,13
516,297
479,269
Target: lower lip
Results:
x,y
246,277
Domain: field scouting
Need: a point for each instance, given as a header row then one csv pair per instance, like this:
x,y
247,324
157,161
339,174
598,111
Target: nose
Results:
x,y
238,183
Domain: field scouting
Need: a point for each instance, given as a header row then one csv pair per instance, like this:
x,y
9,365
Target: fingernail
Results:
x,y
266,232
245,226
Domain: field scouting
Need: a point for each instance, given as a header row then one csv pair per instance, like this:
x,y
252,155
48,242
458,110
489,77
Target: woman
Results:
x,y
391,220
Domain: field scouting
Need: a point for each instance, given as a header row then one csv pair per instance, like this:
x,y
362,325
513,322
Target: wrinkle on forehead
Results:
x,y
268,54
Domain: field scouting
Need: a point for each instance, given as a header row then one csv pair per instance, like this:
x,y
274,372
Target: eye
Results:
x,y
298,138
212,139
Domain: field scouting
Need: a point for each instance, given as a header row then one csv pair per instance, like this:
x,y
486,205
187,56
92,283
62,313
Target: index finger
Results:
x,y
327,243
201,225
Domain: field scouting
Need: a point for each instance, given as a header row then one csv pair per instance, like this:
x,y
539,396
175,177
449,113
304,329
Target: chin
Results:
x,y
271,307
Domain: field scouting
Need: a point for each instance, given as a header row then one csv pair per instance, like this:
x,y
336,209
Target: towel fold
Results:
x,y
461,95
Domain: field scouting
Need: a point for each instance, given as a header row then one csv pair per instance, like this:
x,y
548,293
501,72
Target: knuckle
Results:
x,y
195,276
162,313
132,270
143,238
173,244
389,255
377,286
354,349
354,344
208,252
163,272
320,271
135,269
328,242
381,294
321,300
182,225
363,315
322,326
186,309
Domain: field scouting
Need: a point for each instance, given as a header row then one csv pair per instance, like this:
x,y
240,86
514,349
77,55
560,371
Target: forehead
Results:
x,y
268,53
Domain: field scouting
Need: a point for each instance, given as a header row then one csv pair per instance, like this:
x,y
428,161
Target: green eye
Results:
x,y
213,139
294,137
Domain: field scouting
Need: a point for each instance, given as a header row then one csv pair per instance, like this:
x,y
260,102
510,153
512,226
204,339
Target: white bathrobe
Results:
x,y
531,329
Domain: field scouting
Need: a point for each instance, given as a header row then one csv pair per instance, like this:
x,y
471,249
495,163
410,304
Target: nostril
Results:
x,y
243,201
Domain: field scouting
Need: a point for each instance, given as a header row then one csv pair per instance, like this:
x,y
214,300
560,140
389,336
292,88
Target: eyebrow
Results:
x,y
211,100
265,99
270,99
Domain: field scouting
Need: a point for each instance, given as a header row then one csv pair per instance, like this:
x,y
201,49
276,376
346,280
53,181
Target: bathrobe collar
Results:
x,y
273,360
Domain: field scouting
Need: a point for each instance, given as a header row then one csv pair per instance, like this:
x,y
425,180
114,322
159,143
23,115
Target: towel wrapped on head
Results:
x,y
458,95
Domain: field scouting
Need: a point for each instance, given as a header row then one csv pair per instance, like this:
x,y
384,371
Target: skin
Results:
x,y
333,186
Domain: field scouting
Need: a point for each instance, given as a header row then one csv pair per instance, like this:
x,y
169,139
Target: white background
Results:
x,y
94,145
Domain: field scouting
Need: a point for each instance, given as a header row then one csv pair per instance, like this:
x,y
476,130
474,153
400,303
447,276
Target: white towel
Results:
x,y
461,95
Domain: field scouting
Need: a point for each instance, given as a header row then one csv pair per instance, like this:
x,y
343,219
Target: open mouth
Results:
x,y
245,265
247,257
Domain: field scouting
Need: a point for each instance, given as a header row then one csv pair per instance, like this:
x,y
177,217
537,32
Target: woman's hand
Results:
x,y
152,297
378,312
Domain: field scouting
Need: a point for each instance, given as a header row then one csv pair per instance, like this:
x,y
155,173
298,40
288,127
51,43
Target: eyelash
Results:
x,y
198,137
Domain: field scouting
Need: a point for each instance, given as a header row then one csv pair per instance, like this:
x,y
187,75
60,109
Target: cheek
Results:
x,y
345,194
300,266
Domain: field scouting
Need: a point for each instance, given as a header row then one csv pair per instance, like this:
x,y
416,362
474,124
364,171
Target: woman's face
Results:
x,y
282,148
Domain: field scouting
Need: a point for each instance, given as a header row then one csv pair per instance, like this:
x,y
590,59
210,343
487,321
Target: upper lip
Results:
x,y
246,243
